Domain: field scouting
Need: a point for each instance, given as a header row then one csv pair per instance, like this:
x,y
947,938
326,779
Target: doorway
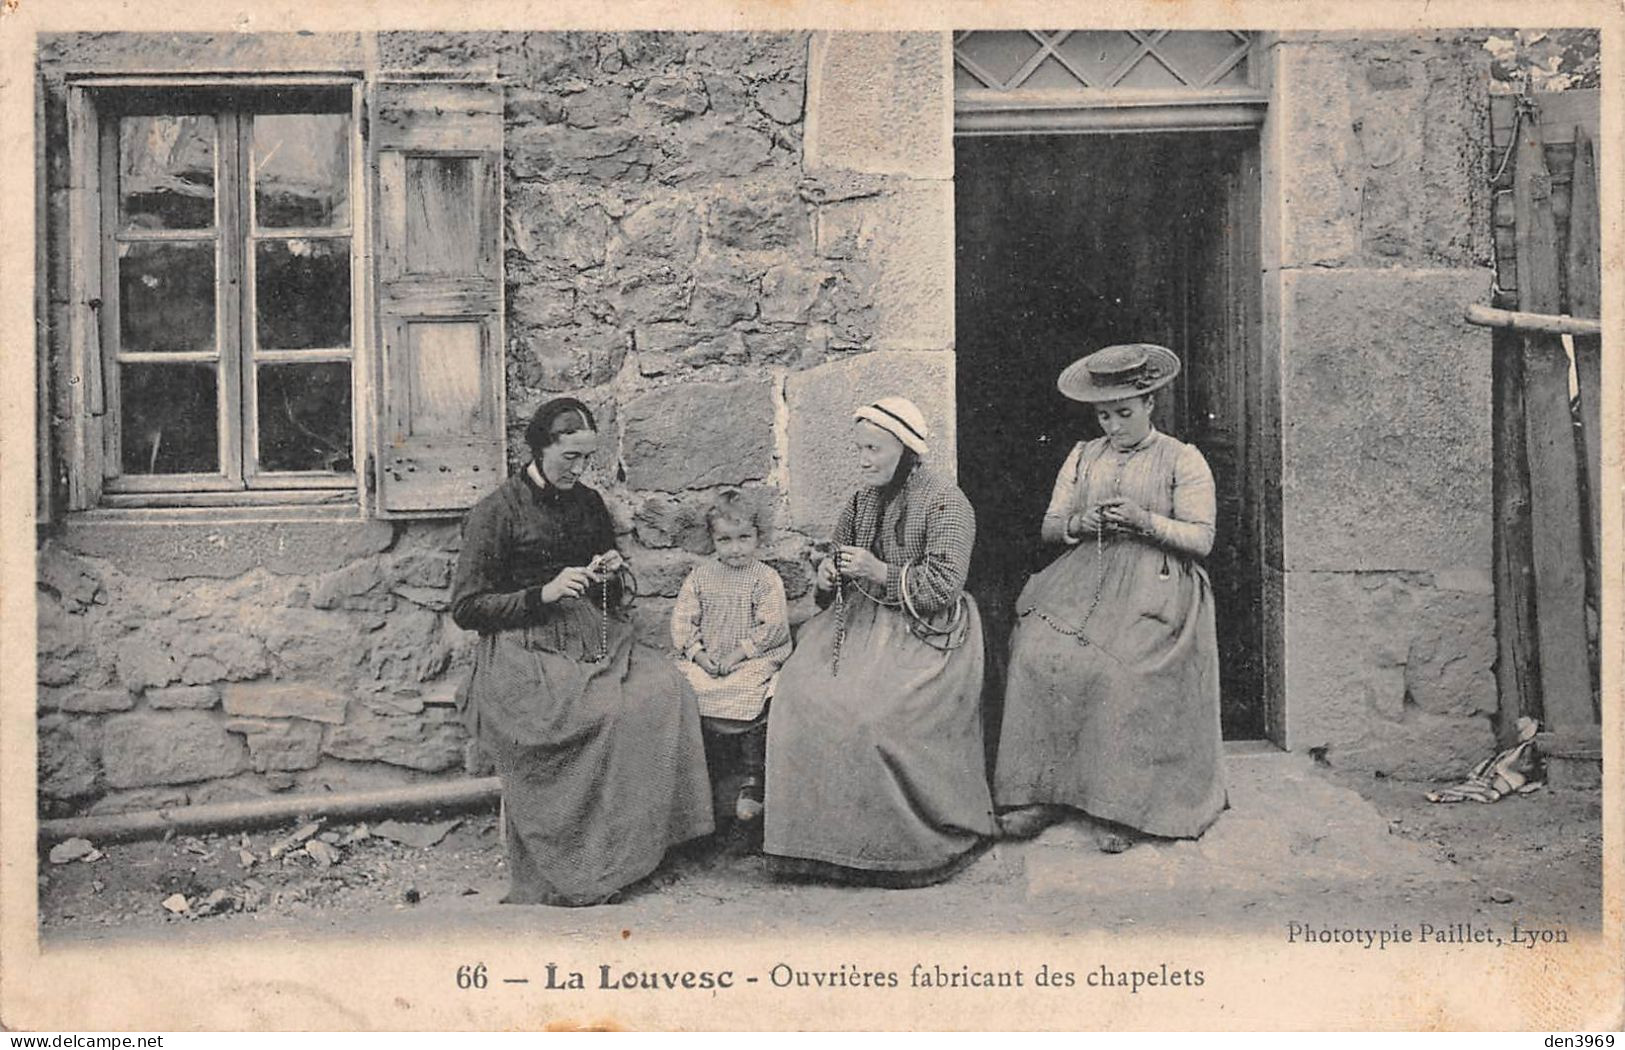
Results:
x,y
1066,243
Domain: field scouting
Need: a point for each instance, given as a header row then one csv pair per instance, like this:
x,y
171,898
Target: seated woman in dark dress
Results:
x,y
595,736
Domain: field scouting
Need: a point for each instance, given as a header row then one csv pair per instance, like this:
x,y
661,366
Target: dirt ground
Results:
x,y
1300,843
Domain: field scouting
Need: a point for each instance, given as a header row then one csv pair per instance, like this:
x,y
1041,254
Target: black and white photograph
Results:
x,y
811,517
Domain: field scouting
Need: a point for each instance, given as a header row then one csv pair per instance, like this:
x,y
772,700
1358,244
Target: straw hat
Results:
x,y
899,417
1118,372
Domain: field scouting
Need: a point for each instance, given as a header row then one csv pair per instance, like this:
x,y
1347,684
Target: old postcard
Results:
x,y
945,516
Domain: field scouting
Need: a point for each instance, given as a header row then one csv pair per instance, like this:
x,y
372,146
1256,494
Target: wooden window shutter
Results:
x,y
80,365
437,158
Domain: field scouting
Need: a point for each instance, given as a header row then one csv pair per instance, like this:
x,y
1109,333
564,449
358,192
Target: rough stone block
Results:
x,y
554,151
672,98
820,404
707,148
148,748
659,294
881,102
673,521
790,290
430,742
665,230
1390,672
555,229
560,359
144,661
782,100
222,550
217,656
661,573
245,787
334,775
307,700
699,434
772,217
905,241
69,756
137,800
93,701
196,697
600,105
533,302
1386,420
284,745
72,579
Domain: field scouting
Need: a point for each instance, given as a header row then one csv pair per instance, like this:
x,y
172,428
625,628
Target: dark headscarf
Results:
x,y
562,415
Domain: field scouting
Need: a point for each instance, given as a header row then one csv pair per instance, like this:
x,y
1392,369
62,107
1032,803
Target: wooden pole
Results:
x,y
1523,321
1516,673
233,816
1585,300
1554,469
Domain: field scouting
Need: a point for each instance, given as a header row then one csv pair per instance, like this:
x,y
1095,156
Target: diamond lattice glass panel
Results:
x,y
1149,74
304,416
166,172
166,296
1196,55
1051,76
302,292
1097,54
169,419
999,53
1236,77
301,169
1143,59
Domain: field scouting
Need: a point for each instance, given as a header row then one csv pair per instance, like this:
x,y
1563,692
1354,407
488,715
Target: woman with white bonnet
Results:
x,y
874,753
1111,708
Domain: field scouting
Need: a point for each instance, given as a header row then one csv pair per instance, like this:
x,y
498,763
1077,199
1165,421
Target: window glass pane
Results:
x,y
166,295
302,290
169,419
302,169
304,416
166,172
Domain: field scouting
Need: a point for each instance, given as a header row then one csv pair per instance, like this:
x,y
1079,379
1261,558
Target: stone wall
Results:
x,y
1376,239
708,236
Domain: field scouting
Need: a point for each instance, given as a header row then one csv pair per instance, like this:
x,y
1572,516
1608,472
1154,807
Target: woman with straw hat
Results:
x,y
874,747
1112,701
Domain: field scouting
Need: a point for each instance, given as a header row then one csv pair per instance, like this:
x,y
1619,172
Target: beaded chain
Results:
x,y
1100,558
840,618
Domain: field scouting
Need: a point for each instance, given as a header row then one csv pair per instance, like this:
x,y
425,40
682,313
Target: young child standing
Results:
x,y
731,629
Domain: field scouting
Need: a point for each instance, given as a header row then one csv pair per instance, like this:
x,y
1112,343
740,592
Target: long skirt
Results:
x,y
1111,703
601,759
878,768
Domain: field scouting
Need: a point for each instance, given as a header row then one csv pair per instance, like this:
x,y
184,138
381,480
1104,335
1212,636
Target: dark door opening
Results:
x,y
1065,244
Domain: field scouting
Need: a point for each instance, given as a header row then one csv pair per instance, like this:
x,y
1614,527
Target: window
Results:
x,y
230,339
284,292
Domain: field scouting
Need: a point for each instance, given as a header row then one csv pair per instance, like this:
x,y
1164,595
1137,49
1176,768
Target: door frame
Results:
x,y
1116,113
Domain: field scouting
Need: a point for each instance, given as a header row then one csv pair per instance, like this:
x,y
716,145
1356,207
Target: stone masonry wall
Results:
x,y
722,242
1377,237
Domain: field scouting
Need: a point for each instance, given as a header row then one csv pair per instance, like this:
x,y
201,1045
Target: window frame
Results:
x,y
95,478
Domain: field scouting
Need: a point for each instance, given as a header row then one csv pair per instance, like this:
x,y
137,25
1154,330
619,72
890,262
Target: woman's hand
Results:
x,y
1124,513
707,664
1084,523
569,583
824,575
860,564
607,564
